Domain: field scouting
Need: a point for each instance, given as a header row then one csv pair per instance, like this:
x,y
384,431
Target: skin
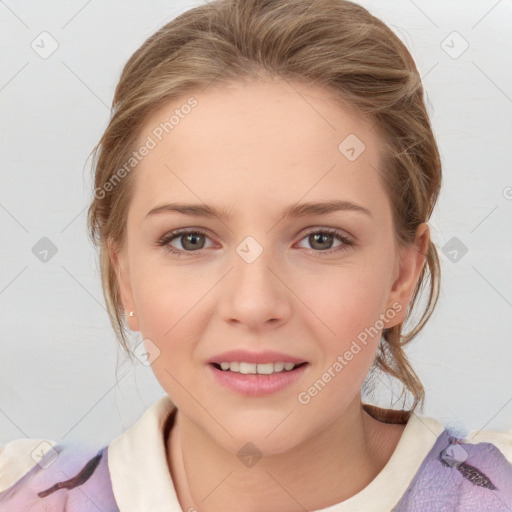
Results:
x,y
254,149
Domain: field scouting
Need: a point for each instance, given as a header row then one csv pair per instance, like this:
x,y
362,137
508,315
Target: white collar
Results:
x,y
141,479
137,462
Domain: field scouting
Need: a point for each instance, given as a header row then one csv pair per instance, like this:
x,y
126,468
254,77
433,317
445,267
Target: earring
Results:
x,y
131,313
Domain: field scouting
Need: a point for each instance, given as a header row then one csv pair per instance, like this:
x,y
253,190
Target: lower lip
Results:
x,y
257,384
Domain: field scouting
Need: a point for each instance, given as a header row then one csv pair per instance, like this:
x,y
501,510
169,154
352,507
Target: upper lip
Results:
x,y
263,357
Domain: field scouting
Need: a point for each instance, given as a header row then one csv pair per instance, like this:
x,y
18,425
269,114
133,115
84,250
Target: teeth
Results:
x,y
247,368
265,369
253,368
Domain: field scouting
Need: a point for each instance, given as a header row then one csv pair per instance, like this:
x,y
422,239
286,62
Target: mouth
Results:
x,y
257,379
246,368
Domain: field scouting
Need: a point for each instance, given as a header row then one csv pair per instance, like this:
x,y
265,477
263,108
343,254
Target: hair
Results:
x,y
334,44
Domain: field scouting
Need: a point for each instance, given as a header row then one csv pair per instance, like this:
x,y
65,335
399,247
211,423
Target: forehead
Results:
x,y
262,143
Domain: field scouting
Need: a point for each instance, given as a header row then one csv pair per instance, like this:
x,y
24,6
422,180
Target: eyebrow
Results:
x,y
297,210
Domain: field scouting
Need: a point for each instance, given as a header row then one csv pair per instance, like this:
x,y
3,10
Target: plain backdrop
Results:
x,y
61,373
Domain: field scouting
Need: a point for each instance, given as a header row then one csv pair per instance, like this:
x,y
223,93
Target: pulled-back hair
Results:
x,y
333,44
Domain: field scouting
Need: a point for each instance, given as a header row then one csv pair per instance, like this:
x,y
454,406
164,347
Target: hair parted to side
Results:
x,y
334,44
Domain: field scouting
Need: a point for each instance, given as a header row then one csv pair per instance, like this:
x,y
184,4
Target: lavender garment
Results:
x,y
68,479
454,477
460,477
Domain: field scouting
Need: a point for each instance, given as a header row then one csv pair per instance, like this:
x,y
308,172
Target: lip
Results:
x,y
267,356
256,385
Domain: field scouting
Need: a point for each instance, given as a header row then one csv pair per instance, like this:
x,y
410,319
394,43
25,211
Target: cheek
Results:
x,y
346,300
169,304
166,295
346,329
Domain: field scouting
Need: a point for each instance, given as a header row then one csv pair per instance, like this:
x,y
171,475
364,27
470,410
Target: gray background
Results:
x,y
61,375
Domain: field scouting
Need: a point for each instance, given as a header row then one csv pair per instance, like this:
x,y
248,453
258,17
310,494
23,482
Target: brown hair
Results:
x,y
334,44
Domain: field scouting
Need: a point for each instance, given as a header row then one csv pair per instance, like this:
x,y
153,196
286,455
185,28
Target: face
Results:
x,y
315,286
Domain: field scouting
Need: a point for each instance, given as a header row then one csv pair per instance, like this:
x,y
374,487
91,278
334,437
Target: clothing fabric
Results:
x,y
430,470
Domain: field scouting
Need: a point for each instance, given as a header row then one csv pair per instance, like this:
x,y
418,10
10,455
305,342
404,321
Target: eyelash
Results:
x,y
169,237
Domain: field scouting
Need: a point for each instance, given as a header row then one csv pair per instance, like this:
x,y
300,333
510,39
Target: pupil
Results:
x,y
193,238
317,236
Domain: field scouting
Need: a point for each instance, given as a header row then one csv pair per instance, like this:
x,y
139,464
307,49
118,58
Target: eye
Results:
x,y
191,241
321,240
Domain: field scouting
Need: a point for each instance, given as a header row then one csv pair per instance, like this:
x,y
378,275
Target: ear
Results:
x,y
407,270
119,262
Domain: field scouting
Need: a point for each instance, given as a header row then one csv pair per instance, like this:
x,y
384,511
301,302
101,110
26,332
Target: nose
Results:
x,y
254,293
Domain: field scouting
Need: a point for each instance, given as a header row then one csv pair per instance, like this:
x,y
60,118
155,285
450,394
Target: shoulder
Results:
x,y
502,439
40,474
463,475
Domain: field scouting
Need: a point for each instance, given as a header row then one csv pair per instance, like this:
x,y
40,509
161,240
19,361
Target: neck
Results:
x,y
328,468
